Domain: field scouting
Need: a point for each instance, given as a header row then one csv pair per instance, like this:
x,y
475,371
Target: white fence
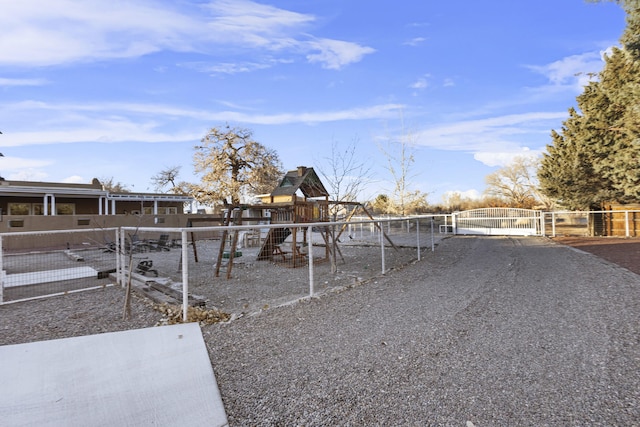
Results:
x,y
302,260
245,268
199,261
33,264
498,221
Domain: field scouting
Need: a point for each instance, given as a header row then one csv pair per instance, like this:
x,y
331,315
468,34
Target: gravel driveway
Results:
x,y
487,331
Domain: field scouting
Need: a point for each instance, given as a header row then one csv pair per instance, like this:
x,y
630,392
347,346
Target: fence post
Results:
x,y
1,275
553,224
119,268
453,223
418,236
381,237
310,257
626,223
121,253
185,276
433,237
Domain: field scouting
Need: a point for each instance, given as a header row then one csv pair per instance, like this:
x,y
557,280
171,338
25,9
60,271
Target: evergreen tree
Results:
x,y
595,157
566,174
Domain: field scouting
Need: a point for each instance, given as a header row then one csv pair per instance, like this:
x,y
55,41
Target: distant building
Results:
x,y
26,205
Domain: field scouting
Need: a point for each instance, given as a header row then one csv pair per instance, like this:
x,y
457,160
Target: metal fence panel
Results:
x,y
38,264
247,268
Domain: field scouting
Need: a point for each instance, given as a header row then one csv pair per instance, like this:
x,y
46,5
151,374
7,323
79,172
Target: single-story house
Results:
x,y
27,206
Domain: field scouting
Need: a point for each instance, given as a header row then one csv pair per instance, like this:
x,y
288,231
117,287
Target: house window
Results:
x,y
172,210
38,209
19,209
65,208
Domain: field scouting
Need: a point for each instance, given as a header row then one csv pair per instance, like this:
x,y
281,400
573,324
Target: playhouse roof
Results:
x,y
304,179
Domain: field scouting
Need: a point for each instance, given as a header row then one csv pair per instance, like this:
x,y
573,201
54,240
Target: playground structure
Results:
x,y
299,198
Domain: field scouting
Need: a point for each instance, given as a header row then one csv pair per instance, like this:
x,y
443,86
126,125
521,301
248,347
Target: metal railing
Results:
x,y
244,268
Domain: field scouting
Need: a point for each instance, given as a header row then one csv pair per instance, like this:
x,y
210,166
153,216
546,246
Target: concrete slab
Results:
x,y
47,276
158,376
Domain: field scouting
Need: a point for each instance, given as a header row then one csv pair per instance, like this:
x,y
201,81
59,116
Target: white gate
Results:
x,y
498,222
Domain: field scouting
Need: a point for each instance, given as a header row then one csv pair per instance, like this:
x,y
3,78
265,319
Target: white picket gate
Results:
x,y
498,222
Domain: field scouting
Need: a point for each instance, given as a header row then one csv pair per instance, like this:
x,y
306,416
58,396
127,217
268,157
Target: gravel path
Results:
x,y
485,331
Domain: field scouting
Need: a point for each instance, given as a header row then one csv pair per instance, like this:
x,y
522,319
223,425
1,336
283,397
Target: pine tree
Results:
x,y
566,174
596,156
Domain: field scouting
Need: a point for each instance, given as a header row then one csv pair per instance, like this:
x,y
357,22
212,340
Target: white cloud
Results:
x,y
504,158
421,83
22,82
28,175
233,67
571,72
56,32
448,82
486,134
116,122
494,141
74,179
416,41
335,54
19,169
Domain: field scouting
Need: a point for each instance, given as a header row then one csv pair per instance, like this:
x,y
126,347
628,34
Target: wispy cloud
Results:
x,y
495,140
416,41
22,82
117,122
58,32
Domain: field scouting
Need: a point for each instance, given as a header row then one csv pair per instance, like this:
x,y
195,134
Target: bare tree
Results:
x,y
400,159
233,167
114,187
515,183
167,177
345,173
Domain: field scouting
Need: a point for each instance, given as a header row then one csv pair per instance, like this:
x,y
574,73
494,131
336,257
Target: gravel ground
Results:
x,y
485,331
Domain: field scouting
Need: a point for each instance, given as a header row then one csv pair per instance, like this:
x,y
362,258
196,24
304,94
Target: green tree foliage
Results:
x,y
596,156
233,167
566,174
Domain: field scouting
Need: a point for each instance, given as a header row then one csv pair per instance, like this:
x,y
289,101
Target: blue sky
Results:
x,y
124,89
